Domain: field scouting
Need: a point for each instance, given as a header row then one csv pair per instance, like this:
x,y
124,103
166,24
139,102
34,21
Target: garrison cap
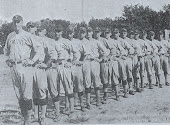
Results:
x,y
58,28
31,24
116,30
83,30
107,30
89,29
124,30
136,32
97,29
17,18
151,33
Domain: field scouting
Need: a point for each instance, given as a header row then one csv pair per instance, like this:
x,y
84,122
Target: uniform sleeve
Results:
x,y
38,48
103,49
6,47
129,48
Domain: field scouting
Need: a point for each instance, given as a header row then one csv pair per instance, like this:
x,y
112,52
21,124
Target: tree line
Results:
x,y
134,17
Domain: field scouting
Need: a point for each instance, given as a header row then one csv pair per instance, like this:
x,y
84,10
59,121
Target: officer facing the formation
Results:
x,y
18,48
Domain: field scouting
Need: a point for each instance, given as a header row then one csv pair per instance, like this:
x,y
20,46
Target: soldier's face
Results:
x,y
161,36
32,30
136,36
17,25
132,36
116,34
152,36
97,34
82,35
89,34
124,34
144,36
70,35
42,32
107,34
58,34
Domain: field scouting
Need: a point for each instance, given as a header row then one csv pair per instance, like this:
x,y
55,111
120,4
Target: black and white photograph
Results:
x,y
84,62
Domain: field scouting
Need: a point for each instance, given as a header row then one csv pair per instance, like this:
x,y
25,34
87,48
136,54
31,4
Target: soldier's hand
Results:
x,y
42,66
10,63
27,62
67,65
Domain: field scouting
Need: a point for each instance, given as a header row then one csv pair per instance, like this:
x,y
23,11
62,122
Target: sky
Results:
x,y
71,10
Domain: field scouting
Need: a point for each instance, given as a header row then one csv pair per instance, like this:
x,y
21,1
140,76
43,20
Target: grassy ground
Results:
x,y
150,106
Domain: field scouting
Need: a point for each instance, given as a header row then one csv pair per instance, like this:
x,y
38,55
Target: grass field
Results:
x,y
150,106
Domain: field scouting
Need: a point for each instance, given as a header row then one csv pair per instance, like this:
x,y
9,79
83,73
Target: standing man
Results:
x,y
156,60
128,61
104,69
77,74
63,48
164,56
112,58
122,58
148,58
18,48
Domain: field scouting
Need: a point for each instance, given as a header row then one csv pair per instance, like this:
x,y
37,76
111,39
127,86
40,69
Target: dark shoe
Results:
x,y
150,87
43,121
156,84
160,85
83,109
131,92
66,111
125,95
167,84
57,118
104,101
138,90
88,106
117,98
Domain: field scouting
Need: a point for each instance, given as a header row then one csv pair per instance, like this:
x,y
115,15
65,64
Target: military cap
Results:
x,y
89,29
124,30
116,30
97,29
31,24
151,33
108,30
58,28
136,32
17,18
131,32
82,29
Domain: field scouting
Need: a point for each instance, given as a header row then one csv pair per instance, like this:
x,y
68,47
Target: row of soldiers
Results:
x,y
40,64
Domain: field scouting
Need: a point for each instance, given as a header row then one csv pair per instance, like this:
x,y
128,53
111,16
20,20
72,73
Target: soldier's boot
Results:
x,y
57,109
75,99
159,80
98,101
131,91
105,96
80,95
71,104
166,79
88,100
43,112
116,88
67,109
125,87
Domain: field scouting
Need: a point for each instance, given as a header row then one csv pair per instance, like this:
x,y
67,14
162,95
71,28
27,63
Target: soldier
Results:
x,y
77,74
39,81
164,57
63,48
121,62
112,58
148,58
139,62
155,59
91,66
104,69
18,48
128,62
